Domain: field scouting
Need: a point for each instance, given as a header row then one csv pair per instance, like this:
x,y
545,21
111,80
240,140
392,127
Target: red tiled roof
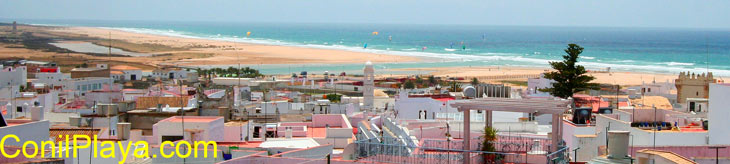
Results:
x,y
55,132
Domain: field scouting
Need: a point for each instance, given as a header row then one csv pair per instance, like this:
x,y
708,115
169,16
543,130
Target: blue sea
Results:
x,y
655,50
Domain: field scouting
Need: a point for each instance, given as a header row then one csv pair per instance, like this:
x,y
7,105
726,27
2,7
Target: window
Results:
x,y
649,89
171,138
699,108
531,117
19,109
697,94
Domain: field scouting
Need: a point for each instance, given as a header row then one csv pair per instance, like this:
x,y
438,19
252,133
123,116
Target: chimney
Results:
x,y
135,135
123,129
109,109
36,113
618,144
74,121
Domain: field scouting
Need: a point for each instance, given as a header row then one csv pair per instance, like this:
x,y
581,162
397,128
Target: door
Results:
x,y
256,130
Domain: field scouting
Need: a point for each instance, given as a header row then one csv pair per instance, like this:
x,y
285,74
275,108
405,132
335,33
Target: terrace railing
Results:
x,y
390,150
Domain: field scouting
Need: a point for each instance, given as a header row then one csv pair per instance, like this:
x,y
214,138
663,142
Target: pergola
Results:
x,y
535,106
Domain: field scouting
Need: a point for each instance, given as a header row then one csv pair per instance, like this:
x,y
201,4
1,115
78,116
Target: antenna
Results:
x,y
182,111
110,50
238,58
707,53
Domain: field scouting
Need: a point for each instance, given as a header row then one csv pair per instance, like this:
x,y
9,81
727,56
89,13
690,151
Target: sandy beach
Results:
x,y
228,53
168,50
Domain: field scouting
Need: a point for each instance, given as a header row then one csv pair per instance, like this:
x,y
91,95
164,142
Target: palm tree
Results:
x,y
409,85
431,80
490,137
474,82
455,86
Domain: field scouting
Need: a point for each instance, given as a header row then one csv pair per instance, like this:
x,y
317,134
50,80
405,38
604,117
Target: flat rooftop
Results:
x,y
298,143
192,119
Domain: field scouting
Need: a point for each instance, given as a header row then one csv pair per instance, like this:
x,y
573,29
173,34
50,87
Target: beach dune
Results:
x,y
228,53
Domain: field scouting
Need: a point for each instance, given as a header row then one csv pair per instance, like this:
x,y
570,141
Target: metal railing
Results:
x,y
509,144
390,150
558,157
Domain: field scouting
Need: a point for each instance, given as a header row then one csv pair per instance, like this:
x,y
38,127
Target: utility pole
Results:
x,y
92,128
12,96
182,110
575,154
717,153
617,90
655,128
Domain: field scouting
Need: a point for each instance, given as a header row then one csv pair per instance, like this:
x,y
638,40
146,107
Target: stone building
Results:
x,y
369,86
693,85
15,27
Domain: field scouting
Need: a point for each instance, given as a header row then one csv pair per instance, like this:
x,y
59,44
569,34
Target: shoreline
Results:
x,y
199,52
228,52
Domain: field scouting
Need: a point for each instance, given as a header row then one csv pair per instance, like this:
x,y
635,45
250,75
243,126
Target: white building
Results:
x,y
719,113
535,84
419,107
657,89
13,76
128,73
38,129
170,73
83,85
55,79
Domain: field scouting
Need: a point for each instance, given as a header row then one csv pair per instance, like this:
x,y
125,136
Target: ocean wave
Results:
x,y
678,64
521,60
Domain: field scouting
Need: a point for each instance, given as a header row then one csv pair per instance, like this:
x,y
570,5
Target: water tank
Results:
x,y
74,121
633,94
618,144
123,129
470,92
36,113
288,132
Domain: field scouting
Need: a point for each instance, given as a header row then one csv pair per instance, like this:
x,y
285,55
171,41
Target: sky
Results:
x,y
597,13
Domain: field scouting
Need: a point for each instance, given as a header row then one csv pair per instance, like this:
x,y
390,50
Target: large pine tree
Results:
x,y
569,77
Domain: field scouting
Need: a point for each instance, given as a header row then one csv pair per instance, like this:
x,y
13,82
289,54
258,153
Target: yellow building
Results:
x,y
693,85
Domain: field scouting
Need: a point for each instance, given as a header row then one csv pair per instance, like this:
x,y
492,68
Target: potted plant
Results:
x,y
490,137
